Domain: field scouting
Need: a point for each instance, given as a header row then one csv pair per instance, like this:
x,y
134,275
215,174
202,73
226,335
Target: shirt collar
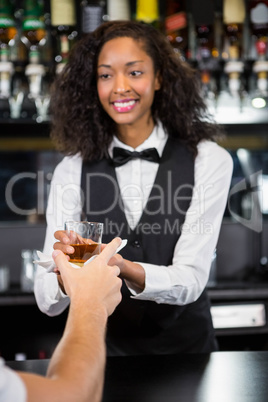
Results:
x,y
157,139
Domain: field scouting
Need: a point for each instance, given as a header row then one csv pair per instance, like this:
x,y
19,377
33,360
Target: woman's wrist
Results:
x,y
61,285
133,272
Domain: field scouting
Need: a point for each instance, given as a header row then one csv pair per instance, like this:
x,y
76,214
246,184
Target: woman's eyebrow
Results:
x,y
104,65
130,63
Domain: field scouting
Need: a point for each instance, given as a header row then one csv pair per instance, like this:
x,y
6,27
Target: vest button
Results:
x,y
136,244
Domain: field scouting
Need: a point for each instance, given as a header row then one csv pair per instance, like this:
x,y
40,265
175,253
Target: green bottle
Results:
x,y
8,28
33,27
64,30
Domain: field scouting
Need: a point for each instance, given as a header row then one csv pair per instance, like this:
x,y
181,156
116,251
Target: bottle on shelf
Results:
x,y
176,27
63,30
42,101
148,12
258,18
93,14
19,83
234,13
118,10
18,52
7,33
33,28
8,28
34,37
46,46
206,51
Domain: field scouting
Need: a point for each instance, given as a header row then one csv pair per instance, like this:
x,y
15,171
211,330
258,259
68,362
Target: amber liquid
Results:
x,y
34,36
82,252
6,34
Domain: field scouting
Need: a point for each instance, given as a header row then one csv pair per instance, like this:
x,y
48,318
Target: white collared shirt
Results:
x,y
137,177
183,281
12,388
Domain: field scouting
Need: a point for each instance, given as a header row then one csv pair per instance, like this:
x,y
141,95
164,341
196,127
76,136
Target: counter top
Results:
x,y
238,291
219,376
222,291
16,297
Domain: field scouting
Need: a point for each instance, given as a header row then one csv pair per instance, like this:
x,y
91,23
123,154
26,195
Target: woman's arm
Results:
x,y
63,203
183,281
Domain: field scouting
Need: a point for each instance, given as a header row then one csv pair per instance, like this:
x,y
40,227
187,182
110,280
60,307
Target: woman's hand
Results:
x,y
130,271
64,240
96,282
63,244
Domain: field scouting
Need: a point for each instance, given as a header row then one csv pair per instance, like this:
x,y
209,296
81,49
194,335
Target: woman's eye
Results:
x,y
135,73
104,76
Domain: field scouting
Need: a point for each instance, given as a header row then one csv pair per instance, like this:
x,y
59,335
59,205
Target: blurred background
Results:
x,y
227,42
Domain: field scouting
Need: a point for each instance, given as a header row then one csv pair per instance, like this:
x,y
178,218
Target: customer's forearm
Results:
x,y
79,358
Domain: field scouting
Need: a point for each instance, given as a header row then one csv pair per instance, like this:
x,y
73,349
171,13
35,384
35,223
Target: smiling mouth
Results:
x,y
125,106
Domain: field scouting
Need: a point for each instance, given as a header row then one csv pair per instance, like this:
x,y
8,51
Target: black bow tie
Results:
x,y
122,156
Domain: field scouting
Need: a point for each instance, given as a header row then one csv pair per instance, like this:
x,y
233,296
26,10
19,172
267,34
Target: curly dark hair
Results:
x,y
79,123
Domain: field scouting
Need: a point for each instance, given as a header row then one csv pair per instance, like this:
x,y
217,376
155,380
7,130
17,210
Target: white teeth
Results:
x,y
124,104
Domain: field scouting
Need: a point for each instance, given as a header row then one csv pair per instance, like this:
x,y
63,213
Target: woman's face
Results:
x,y
126,81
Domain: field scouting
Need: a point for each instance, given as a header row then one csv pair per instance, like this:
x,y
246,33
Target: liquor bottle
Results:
x,y
33,33
7,33
33,28
148,12
234,13
8,28
17,50
203,19
46,47
64,30
258,15
118,10
19,82
92,15
206,54
176,27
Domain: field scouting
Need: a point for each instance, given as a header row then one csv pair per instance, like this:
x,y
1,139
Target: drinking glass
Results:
x,y
85,237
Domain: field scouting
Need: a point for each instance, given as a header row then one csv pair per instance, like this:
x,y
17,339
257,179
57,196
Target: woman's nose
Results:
x,y
121,84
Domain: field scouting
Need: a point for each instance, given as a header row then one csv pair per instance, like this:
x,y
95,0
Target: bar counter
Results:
x,y
215,377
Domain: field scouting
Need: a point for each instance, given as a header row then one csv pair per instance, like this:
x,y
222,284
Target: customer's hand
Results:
x,y
95,283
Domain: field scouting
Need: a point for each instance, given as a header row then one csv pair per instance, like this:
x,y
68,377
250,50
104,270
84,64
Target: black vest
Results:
x,y
143,326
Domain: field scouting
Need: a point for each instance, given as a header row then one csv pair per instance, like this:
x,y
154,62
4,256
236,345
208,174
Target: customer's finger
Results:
x,y
110,249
